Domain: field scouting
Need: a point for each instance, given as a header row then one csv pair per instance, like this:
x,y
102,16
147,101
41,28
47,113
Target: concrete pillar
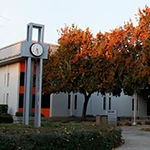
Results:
x,y
51,104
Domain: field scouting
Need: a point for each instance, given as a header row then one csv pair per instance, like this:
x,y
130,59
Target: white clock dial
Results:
x,y
36,49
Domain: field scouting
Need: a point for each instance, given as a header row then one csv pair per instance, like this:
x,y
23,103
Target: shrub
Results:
x,y
119,123
8,142
90,116
20,114
3,108
104,139
147,122
128,123
6,118
139,123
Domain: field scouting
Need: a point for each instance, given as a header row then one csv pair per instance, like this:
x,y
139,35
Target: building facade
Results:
x,y
12,72
71,104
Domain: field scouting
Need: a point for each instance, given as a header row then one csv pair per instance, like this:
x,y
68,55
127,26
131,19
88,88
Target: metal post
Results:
x,y
29,32
51,104
135,107
27,91
41,35
38,95
29,77
30,102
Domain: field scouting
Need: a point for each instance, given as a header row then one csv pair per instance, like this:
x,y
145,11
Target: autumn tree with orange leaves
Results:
x,y
144,36
108,63
79,65
137,72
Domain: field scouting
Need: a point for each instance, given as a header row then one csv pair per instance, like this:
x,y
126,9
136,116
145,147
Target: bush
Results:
x,y
147,122
76,140
20,114
139,123
128,123
3,108
6,118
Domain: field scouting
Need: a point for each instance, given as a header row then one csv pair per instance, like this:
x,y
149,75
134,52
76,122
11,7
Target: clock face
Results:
x,y
36,49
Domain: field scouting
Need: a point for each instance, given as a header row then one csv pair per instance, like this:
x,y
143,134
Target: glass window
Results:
x,y
7,98
8,76
109,103
75,102
104,103
132,103
69,101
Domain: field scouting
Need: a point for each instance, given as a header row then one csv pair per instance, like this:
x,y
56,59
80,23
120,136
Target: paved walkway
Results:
x,y
135,139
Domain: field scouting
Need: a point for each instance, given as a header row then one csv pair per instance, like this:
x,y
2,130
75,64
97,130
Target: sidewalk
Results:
x,y
135,139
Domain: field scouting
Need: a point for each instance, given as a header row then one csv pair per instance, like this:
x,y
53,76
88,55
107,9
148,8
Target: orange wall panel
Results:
x,y
22,66
44,111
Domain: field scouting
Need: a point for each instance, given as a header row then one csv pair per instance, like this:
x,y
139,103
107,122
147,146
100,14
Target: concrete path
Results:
x,y
135,138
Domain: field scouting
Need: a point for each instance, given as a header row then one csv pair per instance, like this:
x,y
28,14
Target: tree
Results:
x,y
108,63
79,65
136,53
137,63
144,35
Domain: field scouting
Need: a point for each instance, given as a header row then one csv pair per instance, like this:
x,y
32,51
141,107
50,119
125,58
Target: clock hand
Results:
x,y
37,51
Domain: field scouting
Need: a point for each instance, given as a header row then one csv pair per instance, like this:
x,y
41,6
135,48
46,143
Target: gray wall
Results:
x,y
123,105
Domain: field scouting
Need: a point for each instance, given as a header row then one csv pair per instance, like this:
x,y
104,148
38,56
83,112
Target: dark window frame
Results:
x,y
69,100
104,103
109,103
75,102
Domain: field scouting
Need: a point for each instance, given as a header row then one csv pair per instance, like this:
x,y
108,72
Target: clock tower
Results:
x,y
34,53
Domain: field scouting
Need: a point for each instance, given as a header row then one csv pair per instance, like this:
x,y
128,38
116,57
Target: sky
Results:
x,y
98,15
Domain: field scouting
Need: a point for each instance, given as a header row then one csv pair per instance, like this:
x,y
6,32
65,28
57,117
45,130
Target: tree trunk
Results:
x,y
86,100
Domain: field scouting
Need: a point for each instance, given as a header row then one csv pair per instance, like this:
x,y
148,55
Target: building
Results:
x,y
71,105
12,68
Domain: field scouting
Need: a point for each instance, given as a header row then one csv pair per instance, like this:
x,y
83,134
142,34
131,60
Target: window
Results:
x,y
109,103
104,103
7,98
8,76
75,102
69,101
132,103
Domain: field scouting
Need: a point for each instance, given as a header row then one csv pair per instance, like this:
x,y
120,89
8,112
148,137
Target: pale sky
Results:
x,y
98,15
